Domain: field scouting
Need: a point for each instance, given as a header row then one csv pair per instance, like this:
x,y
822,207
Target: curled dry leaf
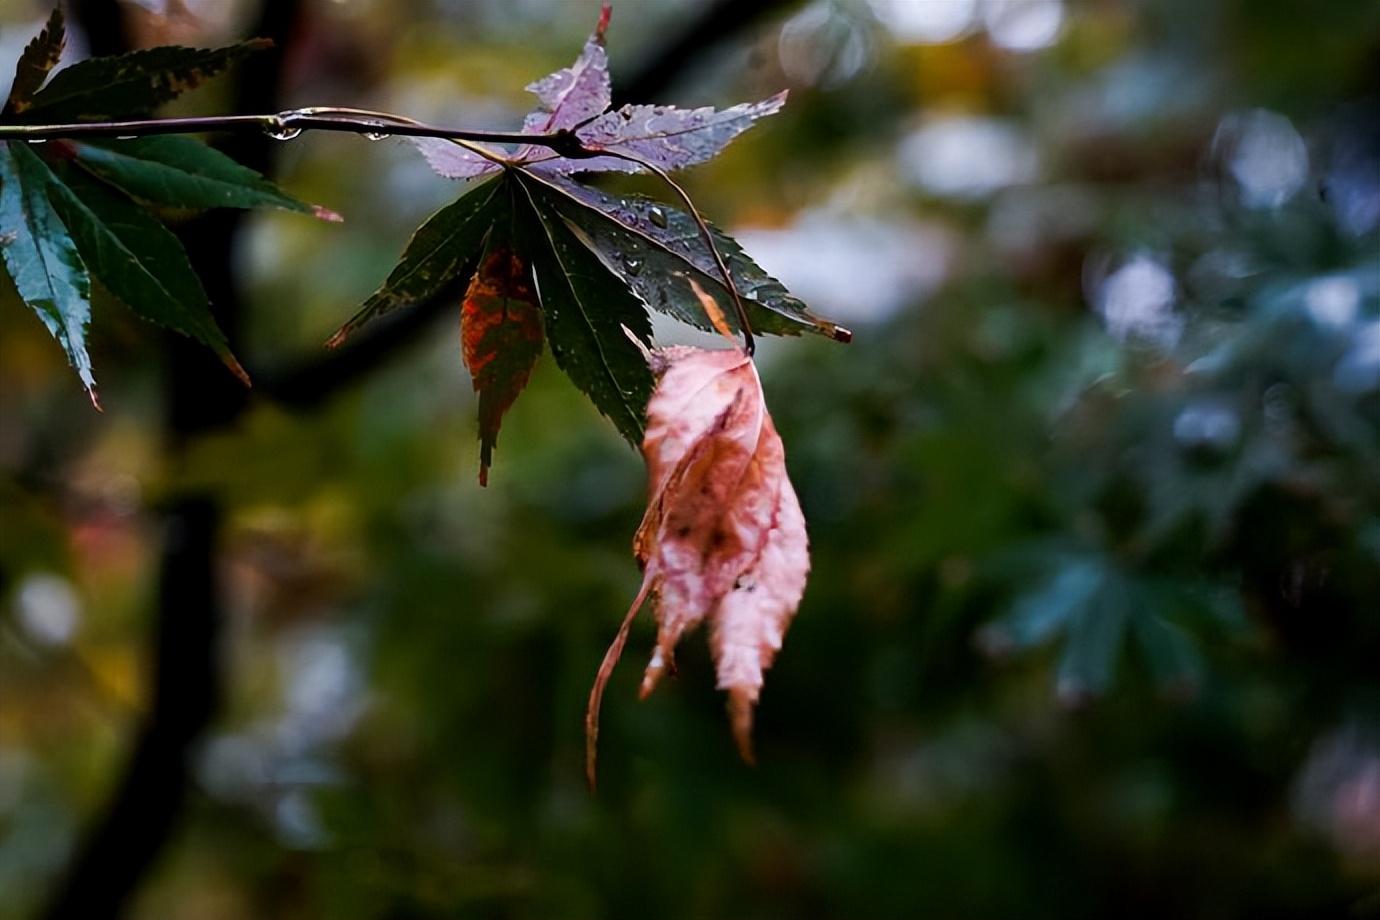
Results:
x,y
723,539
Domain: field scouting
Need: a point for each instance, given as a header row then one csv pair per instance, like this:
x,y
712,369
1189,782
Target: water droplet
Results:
x,y
283,132
40,141
657,216
633,265
751,295
125,137
376,135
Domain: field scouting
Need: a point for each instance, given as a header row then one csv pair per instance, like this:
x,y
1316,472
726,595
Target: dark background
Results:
x,y
1094,496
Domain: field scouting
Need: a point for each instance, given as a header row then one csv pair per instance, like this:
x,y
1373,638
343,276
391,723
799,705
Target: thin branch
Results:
x,y
289,124
317,377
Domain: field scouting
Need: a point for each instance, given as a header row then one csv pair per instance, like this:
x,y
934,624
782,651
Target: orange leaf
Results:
x,y
723,539
501,336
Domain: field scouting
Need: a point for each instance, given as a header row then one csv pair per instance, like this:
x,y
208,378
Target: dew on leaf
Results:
x,y
657,216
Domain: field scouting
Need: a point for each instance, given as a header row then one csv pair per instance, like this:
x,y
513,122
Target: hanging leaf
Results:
x,y
180,172
138,260
723,540
42,259
501,334
40,56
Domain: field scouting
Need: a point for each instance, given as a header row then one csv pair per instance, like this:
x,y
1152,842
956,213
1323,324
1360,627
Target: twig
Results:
x,y
278,124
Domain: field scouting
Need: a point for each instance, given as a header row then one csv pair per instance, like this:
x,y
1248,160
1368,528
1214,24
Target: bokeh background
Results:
x,y
1094,496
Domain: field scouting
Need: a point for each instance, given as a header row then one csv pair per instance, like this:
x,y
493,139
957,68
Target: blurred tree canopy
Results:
x,y
1094,496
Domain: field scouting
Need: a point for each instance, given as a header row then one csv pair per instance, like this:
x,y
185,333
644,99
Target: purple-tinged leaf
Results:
x,y
567,98
662,135
577,93
453,160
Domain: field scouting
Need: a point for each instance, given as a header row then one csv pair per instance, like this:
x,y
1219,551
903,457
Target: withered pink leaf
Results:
x,y
723,539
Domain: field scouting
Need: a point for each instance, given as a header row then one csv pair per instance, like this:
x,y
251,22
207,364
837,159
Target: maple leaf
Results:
x,y
73,212
576,99
591,264
501,334
723,539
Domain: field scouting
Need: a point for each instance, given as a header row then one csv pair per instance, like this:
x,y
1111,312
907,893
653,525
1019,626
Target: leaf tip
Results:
x,y
338,337
652,676
605,14
237,369
641,345
740,703
326,214
258,44
95,399
484,475
841,334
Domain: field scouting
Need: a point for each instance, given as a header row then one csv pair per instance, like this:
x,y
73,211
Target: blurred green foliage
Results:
x,y
1094,500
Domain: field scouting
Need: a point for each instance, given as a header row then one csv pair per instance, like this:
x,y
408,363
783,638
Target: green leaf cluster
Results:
x,y
71,212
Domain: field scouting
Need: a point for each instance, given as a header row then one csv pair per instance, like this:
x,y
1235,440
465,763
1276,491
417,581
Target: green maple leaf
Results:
x,y
74,211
